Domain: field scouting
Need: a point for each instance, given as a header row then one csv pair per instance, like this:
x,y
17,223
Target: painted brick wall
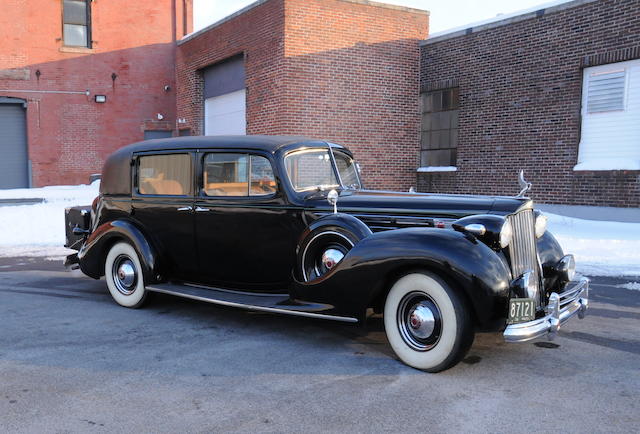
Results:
x,y
342,70
520,99
69,135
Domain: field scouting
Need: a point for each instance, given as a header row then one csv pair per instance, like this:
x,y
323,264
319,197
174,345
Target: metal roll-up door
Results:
x,y
225,98
14,160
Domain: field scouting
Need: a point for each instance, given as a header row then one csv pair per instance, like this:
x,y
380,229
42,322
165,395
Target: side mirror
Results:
x,y
332,198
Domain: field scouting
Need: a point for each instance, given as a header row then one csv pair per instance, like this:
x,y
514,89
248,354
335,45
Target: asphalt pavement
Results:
x,y
71,360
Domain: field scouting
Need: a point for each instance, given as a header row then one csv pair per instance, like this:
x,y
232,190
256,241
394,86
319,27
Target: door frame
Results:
x,y
24,104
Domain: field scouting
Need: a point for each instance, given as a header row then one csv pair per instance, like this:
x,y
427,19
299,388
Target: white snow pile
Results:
x,y
630,285
601,248
38,229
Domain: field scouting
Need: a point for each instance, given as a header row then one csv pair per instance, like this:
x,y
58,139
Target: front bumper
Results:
x,y
574,300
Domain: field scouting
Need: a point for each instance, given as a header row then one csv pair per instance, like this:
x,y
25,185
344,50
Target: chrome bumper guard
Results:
x,y
575,300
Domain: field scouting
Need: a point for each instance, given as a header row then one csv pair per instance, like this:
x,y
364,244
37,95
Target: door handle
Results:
x,y
185,208
200,209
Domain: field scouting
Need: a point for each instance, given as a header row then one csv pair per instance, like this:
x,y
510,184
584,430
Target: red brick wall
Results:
x,y
258,34
69,135
520,97
341,70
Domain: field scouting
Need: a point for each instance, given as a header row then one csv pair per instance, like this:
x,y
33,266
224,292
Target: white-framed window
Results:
x,y
610,133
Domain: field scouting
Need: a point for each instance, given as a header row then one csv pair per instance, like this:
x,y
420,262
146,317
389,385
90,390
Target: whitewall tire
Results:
x,y
123,273
427,323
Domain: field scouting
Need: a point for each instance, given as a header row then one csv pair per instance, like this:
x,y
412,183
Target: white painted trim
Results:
x,y
437,169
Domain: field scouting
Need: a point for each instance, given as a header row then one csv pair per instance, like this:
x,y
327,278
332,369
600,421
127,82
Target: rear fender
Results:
x,y
363,275
94,251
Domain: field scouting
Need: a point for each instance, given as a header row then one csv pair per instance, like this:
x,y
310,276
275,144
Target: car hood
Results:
x,y
423,204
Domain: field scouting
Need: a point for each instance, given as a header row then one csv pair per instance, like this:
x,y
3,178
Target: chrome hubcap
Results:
x,y
125,276
331,257
419,321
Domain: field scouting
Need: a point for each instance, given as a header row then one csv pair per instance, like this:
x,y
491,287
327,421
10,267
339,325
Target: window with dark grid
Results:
x,y
76,23
439,131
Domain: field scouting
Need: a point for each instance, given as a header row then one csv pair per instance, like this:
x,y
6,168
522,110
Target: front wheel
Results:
x,y
428,324
123,273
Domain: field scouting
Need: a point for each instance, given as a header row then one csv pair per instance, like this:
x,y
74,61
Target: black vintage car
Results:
x,y
284,225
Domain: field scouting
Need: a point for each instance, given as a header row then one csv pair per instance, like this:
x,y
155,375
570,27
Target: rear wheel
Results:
x,y
428,324
123,273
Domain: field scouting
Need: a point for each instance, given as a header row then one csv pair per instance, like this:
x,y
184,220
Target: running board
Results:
x,y
261,302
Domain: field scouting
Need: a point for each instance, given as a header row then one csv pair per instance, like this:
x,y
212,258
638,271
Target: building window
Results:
x,y
439,130
76,23
610,133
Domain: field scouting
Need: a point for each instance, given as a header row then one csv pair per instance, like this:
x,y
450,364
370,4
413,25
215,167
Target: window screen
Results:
x,y
165,174
439,131
610,114
606,92
76,23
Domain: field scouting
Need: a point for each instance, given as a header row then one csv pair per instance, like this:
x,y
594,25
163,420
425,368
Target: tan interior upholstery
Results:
x,y
226,188
166,186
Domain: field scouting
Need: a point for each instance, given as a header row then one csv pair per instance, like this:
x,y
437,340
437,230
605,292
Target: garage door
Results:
x,y
14,172
225,98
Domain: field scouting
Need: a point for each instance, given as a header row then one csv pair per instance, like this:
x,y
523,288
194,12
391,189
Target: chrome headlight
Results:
x,y
506,233
541,225
566,268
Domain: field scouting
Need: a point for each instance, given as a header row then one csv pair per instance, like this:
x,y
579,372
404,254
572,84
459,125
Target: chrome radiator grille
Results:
x,y
522,249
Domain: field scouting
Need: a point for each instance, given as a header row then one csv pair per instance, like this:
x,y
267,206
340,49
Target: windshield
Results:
x,y
348,170
312,169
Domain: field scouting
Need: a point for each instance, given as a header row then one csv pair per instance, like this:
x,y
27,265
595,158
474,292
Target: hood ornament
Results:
x,y
524,185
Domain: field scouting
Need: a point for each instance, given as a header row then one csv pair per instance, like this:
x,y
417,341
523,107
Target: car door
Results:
x,y
244,230
162,203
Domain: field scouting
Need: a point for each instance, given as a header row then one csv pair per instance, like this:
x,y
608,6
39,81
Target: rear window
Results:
x,y
169,174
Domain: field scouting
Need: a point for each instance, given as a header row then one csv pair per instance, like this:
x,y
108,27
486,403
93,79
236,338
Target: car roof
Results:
x,y
261,142
116,173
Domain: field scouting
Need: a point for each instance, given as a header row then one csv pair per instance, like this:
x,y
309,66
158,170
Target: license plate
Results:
x,y
521,310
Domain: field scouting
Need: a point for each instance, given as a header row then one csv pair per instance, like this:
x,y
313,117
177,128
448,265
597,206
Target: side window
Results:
x,y
228,175
262,180
168,174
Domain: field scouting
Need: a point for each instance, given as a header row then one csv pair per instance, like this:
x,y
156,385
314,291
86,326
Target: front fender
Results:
x,y
550,253
94,251
370,268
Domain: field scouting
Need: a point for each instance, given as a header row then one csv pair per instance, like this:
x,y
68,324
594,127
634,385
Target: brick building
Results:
x,y
59,59
344,70
555,92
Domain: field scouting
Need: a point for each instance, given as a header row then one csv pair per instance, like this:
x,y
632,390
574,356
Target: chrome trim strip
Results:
x,y
255,308
560,309
233,291
523,249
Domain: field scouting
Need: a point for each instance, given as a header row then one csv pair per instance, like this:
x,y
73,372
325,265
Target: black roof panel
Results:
x,y
262,142
116,173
